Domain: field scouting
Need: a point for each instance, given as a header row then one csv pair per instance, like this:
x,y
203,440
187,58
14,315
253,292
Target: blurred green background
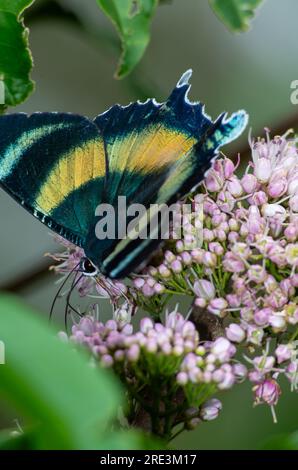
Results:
x,y
74,66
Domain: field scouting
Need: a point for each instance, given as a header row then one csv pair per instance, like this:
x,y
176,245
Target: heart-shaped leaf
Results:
x,y
132,19
15,56
235,14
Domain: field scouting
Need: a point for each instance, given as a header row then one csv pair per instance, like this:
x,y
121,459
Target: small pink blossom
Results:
x,y
210,409
267,392
283,352
204,289
235,333
232,263
249,183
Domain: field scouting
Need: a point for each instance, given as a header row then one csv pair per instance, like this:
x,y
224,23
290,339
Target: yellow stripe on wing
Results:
x,y
149,150
73,170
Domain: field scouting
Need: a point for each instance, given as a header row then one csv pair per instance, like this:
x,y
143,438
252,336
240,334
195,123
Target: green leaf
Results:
x,y
15,56
282,442
235,14
53,384
132,19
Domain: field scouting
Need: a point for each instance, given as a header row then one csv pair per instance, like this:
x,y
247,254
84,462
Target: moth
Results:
x,y
61,166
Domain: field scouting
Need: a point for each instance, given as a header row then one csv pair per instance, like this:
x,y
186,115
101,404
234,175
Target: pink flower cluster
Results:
x,y
212,363
173,352
245,272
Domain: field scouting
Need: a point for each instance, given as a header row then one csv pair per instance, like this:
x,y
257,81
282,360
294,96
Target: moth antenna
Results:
x,y
60,289
75,282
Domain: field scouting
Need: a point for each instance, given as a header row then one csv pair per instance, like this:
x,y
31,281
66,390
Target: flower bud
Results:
x,y
87,326
278,323
244,231
291,253
261,317
228,168
192,424
151,281
283,353
169,256
217,306
208,235
164,271
186,258
255,223
213,181
152,271
133,353
146,324
220,235
209,259
233,237
159,288
138,282
278,185
179,246
111,325
234,225
232,263
216,248
287,287
274,210
264,364
147,290
240,372
233,300
242,250
176,266
210,409
225,201
292,373
234,187
204,289
199,302
291,233
267,392
107,360
254,335
249,183
270,284
293,203
256,273
122,315
235,333
293,185
151,345
223,349
209,206
258,198
263,170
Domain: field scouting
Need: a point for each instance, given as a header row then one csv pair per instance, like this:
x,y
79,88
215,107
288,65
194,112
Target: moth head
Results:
x,y
88,268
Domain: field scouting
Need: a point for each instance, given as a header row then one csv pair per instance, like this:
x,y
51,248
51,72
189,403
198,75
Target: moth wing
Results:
x,y
156,153
54,165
